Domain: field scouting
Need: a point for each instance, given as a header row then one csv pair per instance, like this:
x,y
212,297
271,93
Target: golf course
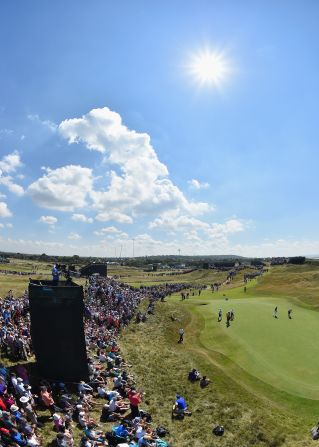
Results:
x,y
282,352
264,370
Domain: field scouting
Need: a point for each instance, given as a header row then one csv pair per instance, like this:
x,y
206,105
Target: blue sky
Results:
x,y
107,136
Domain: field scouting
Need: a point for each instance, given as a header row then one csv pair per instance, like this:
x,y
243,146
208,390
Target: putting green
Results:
x,y
283,353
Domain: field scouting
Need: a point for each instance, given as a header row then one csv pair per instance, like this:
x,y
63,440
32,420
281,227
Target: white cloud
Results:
x,y
192,236
213,235
230,226
142,186
172,222
49,220
74,236
63,189
52,127
10,163
9,225
81,218
8,182
111,231
115,215
196,184
4,210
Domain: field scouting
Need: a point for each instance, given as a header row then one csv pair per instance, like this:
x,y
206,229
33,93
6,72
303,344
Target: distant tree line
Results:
x,y
297,260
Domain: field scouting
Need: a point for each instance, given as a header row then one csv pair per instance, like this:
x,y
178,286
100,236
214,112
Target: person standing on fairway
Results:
x,y
228,318
289,313
275,314
220,315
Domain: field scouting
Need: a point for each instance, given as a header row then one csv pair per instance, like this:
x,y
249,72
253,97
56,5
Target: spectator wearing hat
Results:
x,y
20,389
16,413
58,422
28,410
14,381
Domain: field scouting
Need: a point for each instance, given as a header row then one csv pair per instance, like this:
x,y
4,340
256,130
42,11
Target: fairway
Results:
x,y
281,352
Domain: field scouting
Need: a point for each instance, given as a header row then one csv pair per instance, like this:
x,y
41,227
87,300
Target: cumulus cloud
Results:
x,y
81,218
64,189
196,184
142,185
49,220
111,231
74,236
13,187
177,223
10,163
221,229
194,229
114,215
4,210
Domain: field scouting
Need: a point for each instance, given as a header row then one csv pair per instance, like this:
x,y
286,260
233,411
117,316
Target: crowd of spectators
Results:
x,y
111,392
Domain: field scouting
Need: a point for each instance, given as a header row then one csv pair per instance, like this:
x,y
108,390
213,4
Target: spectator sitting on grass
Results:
x,y
146,440
180,406
204,382
193,375
117,405
94,435
121,431
84,388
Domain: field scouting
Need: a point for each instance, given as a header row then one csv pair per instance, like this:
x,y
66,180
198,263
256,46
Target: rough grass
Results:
x,y
161,365
300,282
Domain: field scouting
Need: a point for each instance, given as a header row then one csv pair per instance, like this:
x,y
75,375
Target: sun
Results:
x,y
209,68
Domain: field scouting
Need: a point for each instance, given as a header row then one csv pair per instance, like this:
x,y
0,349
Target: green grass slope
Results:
x,y
251,415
